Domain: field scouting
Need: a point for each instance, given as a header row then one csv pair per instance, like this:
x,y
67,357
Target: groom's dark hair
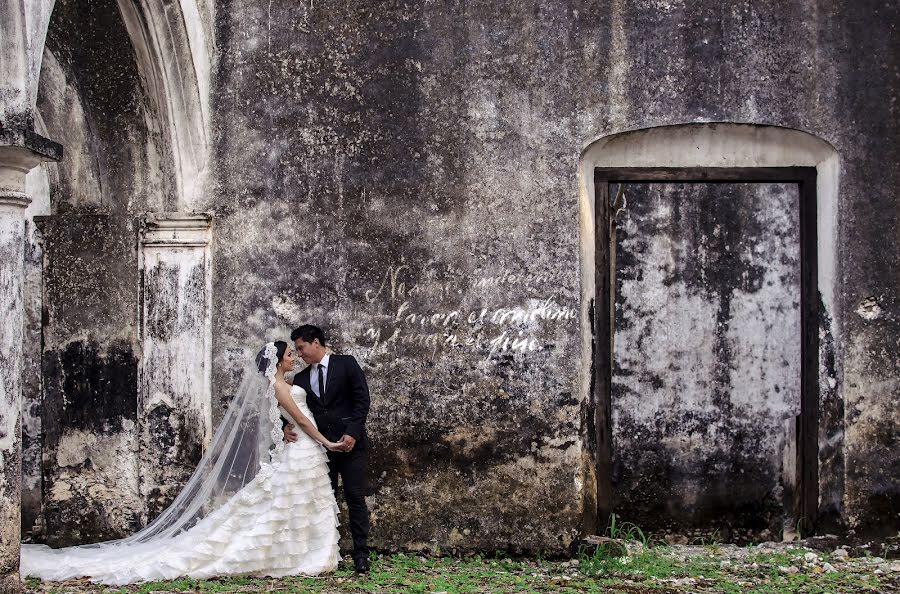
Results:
x,y
308,333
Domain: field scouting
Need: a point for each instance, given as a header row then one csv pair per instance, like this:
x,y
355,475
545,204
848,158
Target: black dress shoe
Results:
x,y
361,565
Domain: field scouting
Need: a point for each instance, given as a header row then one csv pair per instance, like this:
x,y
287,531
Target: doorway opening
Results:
x,y
706,349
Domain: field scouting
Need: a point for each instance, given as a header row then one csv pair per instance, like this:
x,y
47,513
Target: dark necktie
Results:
x,y
321,383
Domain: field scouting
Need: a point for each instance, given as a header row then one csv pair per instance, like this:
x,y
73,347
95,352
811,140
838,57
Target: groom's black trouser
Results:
x,y
351,467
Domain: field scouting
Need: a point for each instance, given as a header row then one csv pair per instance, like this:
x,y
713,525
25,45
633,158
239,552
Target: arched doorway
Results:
x,y
124,88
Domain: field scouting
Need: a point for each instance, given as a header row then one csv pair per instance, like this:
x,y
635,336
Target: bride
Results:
x,y
255,505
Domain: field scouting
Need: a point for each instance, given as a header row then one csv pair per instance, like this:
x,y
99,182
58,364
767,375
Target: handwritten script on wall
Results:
x,y
413,314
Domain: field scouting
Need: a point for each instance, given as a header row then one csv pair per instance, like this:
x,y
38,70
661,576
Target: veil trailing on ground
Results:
x,y
241,450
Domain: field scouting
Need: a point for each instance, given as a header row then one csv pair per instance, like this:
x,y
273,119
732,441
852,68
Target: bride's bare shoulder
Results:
x,y
282,387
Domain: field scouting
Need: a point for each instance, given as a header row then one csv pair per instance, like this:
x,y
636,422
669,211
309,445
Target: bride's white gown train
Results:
x,y
281,523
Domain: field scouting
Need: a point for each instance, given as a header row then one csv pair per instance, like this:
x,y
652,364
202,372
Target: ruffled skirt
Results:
x,y
283,522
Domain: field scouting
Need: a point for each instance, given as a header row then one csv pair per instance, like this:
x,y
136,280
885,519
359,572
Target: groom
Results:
x,y
338,396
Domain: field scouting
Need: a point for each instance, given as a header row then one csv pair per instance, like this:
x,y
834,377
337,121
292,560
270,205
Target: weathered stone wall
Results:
x,y
89,379
12,243
825,69
38,188
405,175
93,97
174,403
868,79
23,26
400,168
383,176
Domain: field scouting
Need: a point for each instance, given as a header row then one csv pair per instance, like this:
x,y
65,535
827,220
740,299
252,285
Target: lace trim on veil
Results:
x,y
271,355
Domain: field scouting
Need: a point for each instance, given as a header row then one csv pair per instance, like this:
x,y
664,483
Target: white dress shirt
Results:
x,y
314,376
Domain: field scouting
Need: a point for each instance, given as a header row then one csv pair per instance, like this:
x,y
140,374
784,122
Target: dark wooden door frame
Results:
x,y
806,498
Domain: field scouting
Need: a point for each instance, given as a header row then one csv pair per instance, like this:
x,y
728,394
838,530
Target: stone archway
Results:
x,y
173,47
174,50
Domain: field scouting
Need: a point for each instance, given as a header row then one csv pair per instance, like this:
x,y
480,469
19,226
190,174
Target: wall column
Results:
x,y
174,401
17,158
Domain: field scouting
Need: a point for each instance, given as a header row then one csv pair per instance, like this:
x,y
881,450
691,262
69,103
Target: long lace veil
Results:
x,y
241,449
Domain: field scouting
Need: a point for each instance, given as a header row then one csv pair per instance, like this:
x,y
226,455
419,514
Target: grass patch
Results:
x,y
626,531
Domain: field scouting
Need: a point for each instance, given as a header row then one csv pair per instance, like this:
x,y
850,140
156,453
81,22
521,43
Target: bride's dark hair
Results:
x,y
262,362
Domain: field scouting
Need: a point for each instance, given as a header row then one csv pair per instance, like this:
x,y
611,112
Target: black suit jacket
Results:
x,y
346,404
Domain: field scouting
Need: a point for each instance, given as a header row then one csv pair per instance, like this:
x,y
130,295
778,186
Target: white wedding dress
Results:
x,y
282,522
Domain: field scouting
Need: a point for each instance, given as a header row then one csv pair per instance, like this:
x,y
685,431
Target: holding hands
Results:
x,y
340,446
346,443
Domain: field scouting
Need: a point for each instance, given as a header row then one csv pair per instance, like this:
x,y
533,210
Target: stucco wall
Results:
x,y
406,175
433,150
413,195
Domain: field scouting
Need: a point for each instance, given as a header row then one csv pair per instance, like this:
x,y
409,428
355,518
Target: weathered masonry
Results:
x,y
594,257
